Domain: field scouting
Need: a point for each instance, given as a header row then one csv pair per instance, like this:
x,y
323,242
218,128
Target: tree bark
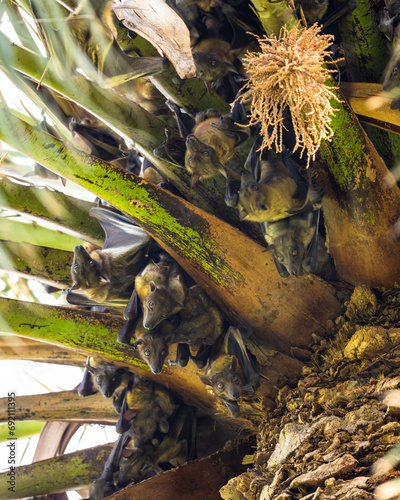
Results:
x,y
361,205
63,473
196,480
14,347
38,203
49,265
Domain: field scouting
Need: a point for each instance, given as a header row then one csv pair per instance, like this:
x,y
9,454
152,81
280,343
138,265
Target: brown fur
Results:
x,y
114,275
207,154
161,290
201,319
146,408
153,345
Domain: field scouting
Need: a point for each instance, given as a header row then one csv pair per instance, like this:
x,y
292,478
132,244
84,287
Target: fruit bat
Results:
x,y
151,345
107,275
230,369
213,59
271,188
104,486
106,378
293,242
145,409
161,289
180,441
211,145
103,144
200,322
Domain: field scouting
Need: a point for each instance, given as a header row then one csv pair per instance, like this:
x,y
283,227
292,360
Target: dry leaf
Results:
x,y
155,21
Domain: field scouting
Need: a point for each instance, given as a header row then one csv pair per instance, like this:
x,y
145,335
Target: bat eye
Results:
x,y
220,386
280,258
150,305
254,187
235,380
147,352
163,316
294,253
163,352
92,263
394,71
213,63
200,72
76,267
206,153
262,207
98,379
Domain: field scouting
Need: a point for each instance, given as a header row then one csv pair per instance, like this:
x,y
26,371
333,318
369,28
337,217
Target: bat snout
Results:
x,y
234,393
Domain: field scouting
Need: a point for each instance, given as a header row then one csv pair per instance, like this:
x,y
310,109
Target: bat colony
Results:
x,y
133,276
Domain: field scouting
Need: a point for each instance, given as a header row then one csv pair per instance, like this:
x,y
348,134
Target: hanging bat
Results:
x,y
271,188
151,345
161,289
201,322
150,458
230,369
106,378
210,146
145,409
107,275
102,143
104,486
213,59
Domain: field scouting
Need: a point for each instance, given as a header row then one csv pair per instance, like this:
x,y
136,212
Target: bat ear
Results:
x,y
153,286
136,344
75,286
269,248
242,215
90,369
234,363
296,233
248,388
194,179
205,380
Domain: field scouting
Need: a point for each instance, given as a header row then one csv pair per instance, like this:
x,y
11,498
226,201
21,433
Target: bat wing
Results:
x,y
247,360
310,262
253,158
86,387
120,230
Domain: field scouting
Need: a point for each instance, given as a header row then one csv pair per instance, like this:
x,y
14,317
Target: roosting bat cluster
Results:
x,y
132,274
157,431
161,309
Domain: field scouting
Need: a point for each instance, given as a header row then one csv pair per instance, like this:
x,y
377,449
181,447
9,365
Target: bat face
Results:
x,y
138,466
153,349
107,378
290,252
200,158
157,306
227,385
85,271
102,488
209,67
252,201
